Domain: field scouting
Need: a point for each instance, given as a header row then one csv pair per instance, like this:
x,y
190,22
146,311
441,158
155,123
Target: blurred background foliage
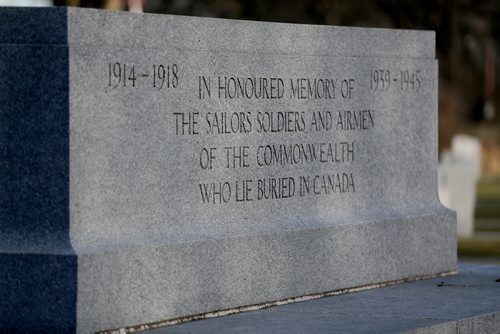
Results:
x,y
467,45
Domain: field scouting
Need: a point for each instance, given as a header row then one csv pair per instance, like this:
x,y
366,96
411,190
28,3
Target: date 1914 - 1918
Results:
x,y
157,76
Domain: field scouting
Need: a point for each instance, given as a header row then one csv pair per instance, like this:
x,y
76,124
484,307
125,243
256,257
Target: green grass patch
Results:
x,y
472,247
488,187
488,199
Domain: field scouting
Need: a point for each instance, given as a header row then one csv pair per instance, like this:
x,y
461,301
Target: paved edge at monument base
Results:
x,y
127,288
463,303
263,306
488,323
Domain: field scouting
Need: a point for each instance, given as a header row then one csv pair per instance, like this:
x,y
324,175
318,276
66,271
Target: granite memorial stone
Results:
x,y
154,167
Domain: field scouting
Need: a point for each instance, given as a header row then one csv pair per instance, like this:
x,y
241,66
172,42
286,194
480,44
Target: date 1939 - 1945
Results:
x,y
156,76
404,80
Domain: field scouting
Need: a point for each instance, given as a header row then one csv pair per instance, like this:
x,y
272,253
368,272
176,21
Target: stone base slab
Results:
x,y
134,285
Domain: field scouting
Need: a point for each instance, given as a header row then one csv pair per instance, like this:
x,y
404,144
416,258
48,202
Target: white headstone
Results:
x,y
459,171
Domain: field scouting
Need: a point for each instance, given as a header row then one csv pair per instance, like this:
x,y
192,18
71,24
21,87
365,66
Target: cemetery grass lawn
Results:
x,y
485,244
488,199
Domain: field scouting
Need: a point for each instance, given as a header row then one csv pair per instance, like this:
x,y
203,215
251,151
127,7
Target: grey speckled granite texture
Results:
x,y
116,128
465,303
98,27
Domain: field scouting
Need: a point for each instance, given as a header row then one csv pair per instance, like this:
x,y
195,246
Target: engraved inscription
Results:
x,y
307,127
275,154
